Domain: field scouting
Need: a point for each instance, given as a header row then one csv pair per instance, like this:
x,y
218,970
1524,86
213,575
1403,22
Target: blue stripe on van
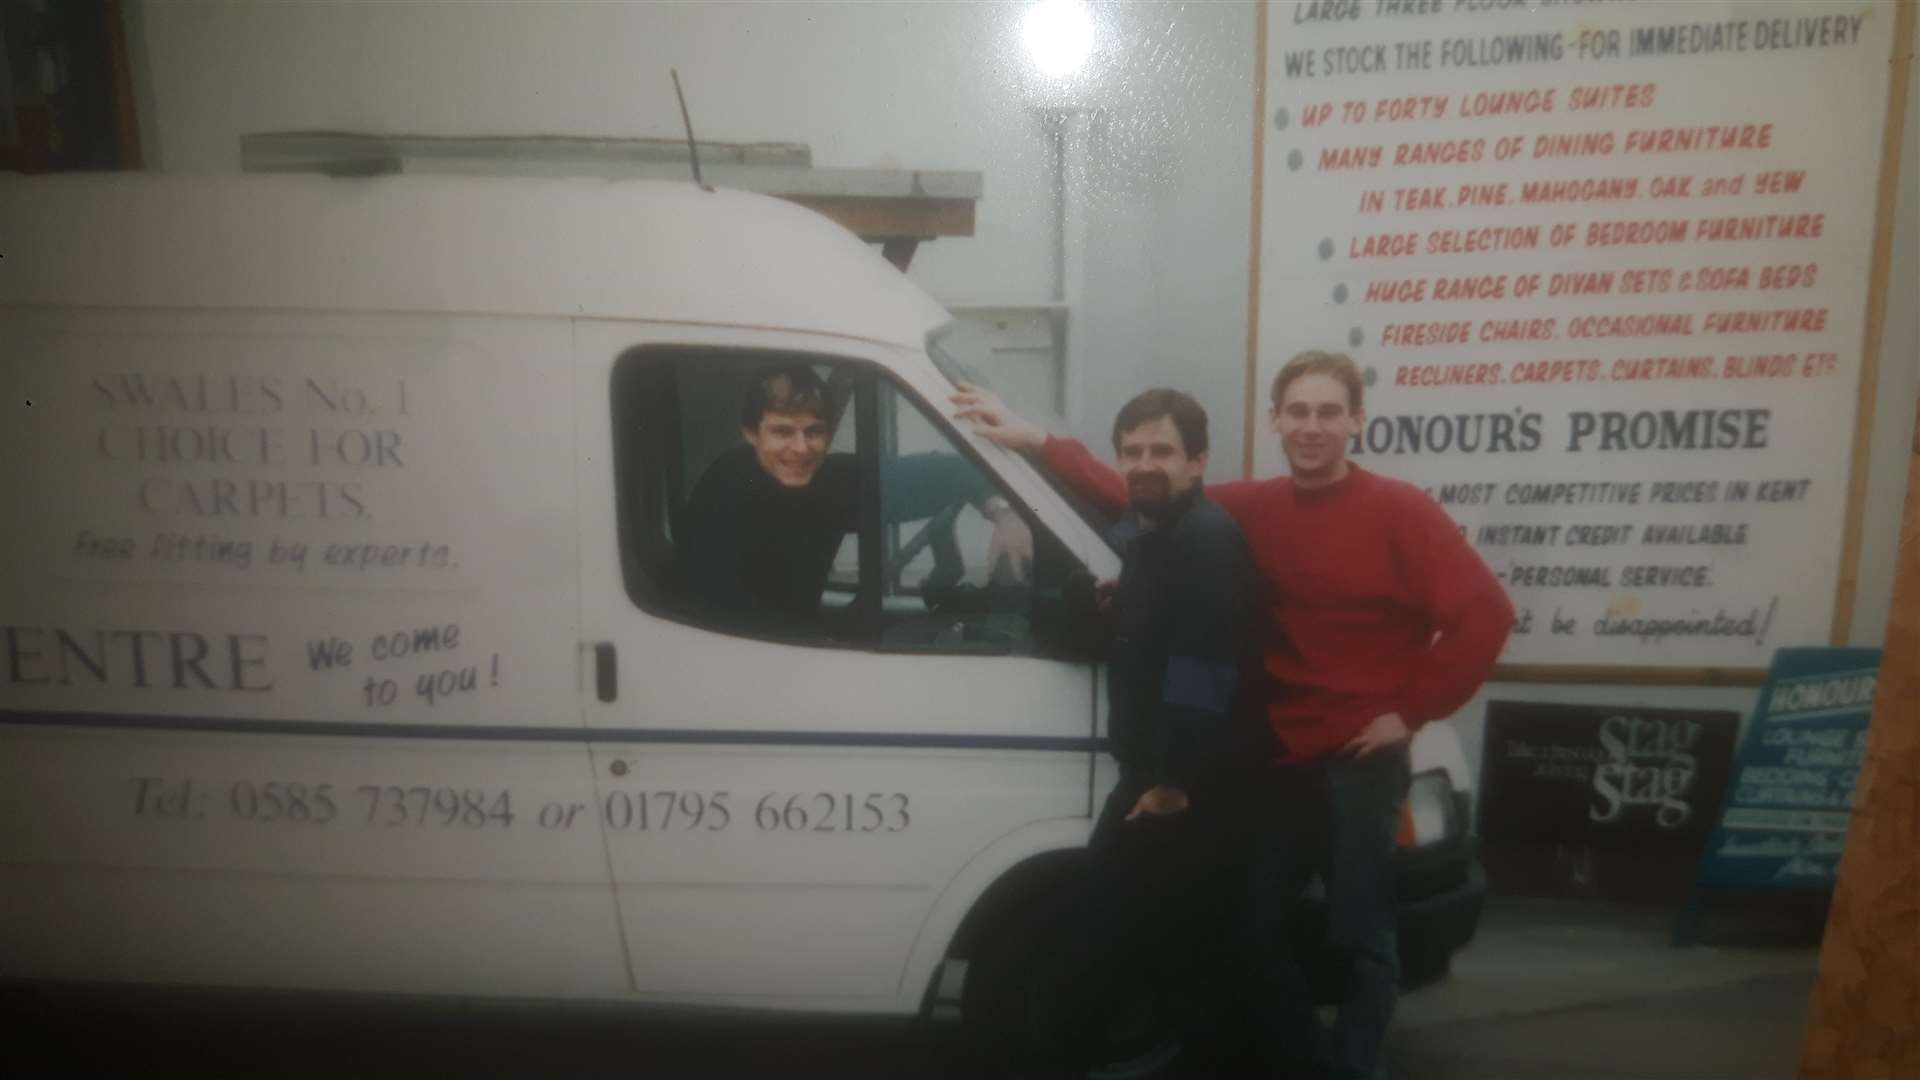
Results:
x,y
484,732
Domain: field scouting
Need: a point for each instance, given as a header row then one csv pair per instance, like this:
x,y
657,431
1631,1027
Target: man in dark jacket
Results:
x,y
1184,714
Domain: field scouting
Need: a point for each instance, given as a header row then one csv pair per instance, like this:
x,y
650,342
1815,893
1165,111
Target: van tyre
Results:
x,y
1015,1002
1009,971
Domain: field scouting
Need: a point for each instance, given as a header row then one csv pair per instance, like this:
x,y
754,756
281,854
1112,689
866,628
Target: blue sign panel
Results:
x,y
1785,821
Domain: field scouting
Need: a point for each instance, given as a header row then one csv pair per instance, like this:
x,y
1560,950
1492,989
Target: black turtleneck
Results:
x,y
756,554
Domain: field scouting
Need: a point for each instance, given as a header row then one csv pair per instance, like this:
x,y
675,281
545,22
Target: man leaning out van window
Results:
x,y
764,522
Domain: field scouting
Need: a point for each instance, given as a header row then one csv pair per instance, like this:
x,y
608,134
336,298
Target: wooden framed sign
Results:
x,y
1614,277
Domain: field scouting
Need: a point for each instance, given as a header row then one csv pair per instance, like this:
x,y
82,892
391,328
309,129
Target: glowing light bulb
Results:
x,y
1059,36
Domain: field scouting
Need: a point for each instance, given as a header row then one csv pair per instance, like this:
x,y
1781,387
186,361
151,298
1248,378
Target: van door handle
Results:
x,y
606,671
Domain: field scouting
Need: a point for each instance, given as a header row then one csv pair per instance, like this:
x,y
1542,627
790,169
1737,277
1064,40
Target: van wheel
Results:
x,y
1018,1001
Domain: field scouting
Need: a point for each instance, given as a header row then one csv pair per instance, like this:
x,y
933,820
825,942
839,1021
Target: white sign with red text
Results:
x,y
1605,267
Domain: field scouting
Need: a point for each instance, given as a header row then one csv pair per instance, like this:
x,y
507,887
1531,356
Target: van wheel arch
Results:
x,y
1015,897
1002,939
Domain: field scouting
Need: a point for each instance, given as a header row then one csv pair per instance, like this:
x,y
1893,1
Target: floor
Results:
x,y
1584,991
1553,989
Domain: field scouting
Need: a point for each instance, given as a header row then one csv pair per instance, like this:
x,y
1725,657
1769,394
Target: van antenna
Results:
x,y
693,147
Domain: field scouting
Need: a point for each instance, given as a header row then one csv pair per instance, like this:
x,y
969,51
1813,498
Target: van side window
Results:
x,y
809,500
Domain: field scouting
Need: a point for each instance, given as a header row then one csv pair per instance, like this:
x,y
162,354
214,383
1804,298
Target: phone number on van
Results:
x,y
820,811
392,806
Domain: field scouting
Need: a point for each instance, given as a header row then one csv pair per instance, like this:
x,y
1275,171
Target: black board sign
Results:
x,y
1600,799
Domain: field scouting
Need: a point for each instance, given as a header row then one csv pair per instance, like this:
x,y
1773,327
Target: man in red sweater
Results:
x,y
1383,618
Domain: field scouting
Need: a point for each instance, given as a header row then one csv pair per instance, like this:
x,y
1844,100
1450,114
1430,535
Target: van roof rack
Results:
x,y
895,208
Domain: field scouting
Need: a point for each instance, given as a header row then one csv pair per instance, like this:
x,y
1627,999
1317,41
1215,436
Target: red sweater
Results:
x,y
1378,604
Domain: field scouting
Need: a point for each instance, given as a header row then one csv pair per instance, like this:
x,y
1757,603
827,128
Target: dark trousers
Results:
x,y
1339,818
1156,906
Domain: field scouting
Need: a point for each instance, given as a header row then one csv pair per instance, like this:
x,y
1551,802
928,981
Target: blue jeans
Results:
x,y
1338,817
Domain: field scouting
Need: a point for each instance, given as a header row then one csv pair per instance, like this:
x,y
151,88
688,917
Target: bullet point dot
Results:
x,y
1372,376
1326,249
1355,337
1295,159
1280,118
1339,294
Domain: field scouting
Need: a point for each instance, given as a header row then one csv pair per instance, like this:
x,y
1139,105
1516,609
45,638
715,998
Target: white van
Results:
x,y
342,646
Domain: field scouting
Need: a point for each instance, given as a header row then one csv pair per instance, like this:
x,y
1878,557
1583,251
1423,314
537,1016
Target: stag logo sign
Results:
x,y
1649,764
1600,799
1604,776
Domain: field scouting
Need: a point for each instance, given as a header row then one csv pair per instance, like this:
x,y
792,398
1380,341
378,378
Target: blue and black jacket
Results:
x,y
1184,674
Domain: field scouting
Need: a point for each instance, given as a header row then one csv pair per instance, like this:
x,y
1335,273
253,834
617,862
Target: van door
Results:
x,y
288,695
786,797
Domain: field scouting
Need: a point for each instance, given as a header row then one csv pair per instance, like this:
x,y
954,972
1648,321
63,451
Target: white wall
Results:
x,y
1167,182
898,85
